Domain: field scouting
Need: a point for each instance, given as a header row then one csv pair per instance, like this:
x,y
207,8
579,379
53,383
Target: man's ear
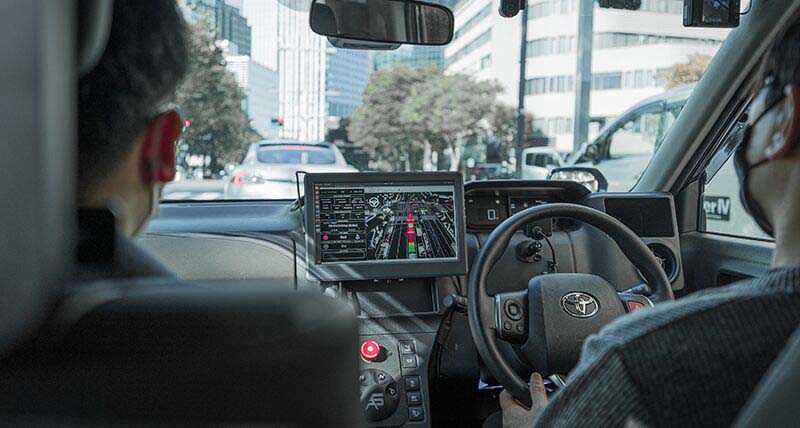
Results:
x,y
158,153
787,133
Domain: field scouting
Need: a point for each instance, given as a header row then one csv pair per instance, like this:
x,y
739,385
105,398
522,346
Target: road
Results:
x,y
197,190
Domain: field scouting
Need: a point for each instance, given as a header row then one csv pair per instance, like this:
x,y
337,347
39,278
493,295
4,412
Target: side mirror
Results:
x,y
591,178
383,21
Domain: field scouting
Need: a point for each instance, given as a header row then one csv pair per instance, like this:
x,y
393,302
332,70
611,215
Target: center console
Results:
x,y
381,239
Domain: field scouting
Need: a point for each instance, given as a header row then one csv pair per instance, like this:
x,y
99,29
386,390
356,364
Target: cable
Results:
x,y
302,221
457,284
554,263
294,250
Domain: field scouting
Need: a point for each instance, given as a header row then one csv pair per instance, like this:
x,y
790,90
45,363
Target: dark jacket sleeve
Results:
x,y
599,392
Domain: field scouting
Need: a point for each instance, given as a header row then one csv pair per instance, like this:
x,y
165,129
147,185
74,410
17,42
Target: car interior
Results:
x,y
278,318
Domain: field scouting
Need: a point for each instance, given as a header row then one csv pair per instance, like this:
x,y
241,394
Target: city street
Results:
x,y
197,190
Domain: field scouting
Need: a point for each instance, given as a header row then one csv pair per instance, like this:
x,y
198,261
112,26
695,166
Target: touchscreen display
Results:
x,y
384,221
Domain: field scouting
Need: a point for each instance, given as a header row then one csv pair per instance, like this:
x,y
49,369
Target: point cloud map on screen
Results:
x,y
384,221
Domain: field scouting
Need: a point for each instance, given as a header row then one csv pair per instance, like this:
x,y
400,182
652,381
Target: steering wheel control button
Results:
x,y
378,400
414,398
381,377
520,328
507,325
406,346
370,350
362,378
412,383
633,305
513,310
409,361
416,414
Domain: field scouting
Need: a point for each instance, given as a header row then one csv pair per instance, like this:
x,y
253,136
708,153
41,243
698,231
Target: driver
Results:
x,y
696,361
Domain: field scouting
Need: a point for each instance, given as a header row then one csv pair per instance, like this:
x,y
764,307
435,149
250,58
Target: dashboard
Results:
x,y
396,246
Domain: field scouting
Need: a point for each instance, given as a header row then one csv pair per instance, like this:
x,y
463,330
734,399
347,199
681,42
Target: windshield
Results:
x,y
266,97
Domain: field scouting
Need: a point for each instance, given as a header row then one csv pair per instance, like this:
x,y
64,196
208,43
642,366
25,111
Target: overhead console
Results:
x,y
365,226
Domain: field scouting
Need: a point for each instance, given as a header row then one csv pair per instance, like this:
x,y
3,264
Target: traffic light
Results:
x,y
276,123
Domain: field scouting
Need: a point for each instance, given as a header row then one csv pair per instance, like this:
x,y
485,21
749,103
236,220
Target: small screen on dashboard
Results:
x,y
384,221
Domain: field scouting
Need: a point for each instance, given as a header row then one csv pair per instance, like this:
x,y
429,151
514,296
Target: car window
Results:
x,y
723,210
636,137
261,75
297,155
541,160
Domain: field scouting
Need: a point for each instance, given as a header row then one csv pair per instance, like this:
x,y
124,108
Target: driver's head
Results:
x,y
127,132
769,160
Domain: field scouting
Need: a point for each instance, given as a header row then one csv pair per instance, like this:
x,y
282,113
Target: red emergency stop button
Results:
x,y
370,350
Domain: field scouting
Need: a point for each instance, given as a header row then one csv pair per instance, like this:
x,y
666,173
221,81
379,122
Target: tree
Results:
x,y
444,110
377,124
503,128
687,72
409,114
212,102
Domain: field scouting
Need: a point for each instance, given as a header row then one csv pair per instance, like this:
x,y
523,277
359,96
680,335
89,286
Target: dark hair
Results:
x,y
143,63
783,61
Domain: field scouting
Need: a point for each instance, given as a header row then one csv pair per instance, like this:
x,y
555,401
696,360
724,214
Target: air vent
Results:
x,y
667,258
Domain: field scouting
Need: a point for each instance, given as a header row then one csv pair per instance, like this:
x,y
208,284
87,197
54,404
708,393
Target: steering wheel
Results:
x,y
548,321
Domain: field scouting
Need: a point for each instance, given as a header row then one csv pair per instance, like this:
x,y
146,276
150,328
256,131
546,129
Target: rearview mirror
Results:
x,y
383,21
590,178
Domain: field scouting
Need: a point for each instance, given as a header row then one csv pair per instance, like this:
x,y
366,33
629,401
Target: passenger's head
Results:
x,y
127,132
772,150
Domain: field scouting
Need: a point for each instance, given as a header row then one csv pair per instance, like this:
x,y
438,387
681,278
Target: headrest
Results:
x,y
94,28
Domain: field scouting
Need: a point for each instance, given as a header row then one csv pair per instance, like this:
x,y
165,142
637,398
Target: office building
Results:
x,y
410,55
223,18
260,85
317,81
346,76
631,50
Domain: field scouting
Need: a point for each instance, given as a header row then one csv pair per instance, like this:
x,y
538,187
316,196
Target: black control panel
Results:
x,y
393,379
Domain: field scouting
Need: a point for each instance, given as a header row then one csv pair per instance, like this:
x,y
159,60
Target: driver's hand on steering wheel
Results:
x,y
515,414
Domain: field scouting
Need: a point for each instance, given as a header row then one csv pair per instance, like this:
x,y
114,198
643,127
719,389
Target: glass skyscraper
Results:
x,y
346,75
224,19
412,56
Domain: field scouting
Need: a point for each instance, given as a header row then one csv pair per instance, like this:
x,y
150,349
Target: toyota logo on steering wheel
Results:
x,y
579,305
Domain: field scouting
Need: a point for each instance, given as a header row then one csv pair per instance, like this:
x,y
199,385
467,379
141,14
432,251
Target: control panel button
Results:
x,y
416,413
513,310
409,361
370,350
406,346
634,305
412,383
507,325
378,400
414,398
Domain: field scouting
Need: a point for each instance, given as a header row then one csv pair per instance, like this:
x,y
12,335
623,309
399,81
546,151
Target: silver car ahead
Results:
x,y
268,170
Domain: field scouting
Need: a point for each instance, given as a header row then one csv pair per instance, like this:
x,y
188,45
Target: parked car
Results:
x,y
537,162
269,168
624,147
